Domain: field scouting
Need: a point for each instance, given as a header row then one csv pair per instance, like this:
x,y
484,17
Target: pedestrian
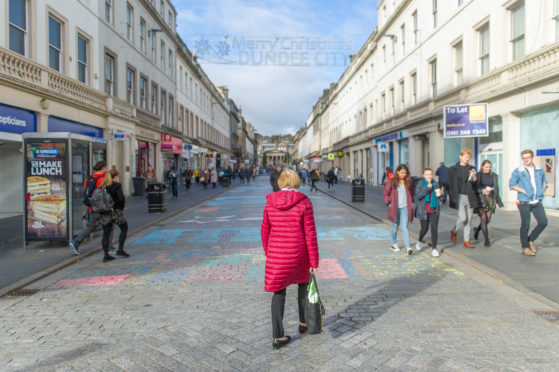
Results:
x,y
242,175
330,177
187,178
398,196
91,183
197,175
315,178
172,180
461,180
150,175
290,245
530,183
205,178
387,176
336,174
254,172
213,177
248,174
106,220
274,177
487,188
115,190
304,175
427,211
441,173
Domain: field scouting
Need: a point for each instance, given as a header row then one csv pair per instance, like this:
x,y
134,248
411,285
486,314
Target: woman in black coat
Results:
x,y
115,190
487,187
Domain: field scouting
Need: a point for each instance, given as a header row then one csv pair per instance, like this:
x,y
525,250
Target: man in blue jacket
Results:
x,y
530,183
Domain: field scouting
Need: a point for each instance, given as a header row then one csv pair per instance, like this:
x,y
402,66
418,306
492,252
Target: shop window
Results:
x,y
495,131
18,26
55,44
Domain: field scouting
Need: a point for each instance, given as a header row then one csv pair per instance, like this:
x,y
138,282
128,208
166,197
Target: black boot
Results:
x,y
487,242
476,232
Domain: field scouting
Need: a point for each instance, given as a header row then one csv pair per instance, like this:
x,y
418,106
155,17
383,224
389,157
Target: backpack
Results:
x,y
101,201
90,186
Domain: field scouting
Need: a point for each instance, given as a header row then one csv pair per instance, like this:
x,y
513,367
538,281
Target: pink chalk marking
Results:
x,y
209,209
94,280
330,268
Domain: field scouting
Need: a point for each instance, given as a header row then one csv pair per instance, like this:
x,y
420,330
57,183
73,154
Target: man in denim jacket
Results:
x,y
530,183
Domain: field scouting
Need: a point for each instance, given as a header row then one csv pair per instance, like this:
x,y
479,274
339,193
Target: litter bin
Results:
x,y
139,186
358,190
156,197
225,181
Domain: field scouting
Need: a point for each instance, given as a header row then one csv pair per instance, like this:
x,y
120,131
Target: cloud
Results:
x,y
275,99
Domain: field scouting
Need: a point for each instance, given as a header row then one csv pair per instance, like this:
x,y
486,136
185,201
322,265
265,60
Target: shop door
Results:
x,y
496,159
80,171
381,164
99,152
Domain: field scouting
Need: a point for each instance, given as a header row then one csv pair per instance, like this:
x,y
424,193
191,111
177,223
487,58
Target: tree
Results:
x,y
264,160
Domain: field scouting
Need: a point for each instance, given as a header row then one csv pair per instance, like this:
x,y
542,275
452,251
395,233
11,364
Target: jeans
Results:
x,y
465,213
539,213
313,185
433,221
278,305
403,220
330,183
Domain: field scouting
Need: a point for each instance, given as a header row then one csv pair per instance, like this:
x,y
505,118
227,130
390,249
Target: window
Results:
x,y
392,101
130,86
55,44
384,53
495,131
171,63
402,95
394,49
181,87
152,46
142,35
109,11
413,88
129,22
556,17
18,26
460,2
459,64
484,49
433,78
170,18
82,59
403,32
171,114
162,7
143,93
109,75
153,97
517,30
435,13
163,107
162,53
415,29
383,102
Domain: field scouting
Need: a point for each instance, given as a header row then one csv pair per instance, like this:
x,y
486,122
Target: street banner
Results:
x,y
46,212
546,160
466,121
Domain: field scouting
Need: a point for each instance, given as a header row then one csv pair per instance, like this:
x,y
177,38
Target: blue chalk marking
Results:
x,y
160,237
349,268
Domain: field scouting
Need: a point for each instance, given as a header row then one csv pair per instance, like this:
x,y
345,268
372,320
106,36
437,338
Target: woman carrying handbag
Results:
x,y
487,187
291,249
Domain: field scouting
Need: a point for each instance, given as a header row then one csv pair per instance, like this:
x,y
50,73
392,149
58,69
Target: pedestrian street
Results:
x,y
191,297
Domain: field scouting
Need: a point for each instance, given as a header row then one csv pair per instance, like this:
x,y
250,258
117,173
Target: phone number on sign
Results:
x,y
466,132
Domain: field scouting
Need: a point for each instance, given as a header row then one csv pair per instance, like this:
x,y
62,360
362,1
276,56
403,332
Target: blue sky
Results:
x,y
276,99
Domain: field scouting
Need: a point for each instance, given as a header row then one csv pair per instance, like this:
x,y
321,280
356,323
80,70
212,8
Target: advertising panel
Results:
x,y
46,196
466,121
546,160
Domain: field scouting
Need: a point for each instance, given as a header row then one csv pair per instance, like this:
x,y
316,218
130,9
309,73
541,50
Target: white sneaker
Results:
x,y
435,252
410,251
418,246
395,247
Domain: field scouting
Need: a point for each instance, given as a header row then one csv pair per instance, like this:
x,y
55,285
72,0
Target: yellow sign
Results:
x,y
331,156
340,154
477,113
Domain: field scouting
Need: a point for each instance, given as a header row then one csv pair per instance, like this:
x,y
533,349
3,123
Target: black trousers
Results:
x,y
539,213
278,305
433,222
106,236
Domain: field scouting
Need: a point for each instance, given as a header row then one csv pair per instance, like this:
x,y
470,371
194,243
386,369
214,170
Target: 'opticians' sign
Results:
x,y
16,120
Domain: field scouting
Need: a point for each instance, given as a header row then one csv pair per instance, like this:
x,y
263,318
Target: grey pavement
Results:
x,y
192,297
538,273
17,263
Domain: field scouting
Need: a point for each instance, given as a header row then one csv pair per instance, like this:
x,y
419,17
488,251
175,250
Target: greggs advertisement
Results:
x,y
46,196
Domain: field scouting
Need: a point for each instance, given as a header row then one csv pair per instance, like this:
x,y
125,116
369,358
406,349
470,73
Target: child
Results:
x,y
427,202
398,196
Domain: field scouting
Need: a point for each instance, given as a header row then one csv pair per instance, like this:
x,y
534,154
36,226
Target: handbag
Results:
x,y
488,201
315,309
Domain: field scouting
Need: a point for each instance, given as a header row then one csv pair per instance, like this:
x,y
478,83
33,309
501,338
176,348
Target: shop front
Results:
x,y
171,150
389,151
14,122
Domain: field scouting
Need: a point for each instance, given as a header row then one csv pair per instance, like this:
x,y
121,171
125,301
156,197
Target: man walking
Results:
x,y
91,183
461,178
274,177
530,183
330,176
188,178
442,172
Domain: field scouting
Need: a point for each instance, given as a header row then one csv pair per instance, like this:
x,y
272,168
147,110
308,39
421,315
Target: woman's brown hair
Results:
x,y
396,180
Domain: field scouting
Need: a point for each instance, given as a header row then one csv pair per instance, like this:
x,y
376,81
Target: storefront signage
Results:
x,y
317,159
122,136
62,125
466,121
547,161
16,120
331,156
233,160
170,144
46,212
340,154
382,147
186,148
390,137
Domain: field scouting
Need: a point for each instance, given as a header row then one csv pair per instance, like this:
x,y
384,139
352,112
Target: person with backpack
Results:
x,y
115,190
387,176
91,184
172,179
330,176
315,177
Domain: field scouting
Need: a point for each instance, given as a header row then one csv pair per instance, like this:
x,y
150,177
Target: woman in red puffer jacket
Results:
x,y
291,249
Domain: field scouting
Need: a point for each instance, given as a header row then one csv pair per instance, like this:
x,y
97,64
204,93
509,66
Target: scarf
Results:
x,y
430,197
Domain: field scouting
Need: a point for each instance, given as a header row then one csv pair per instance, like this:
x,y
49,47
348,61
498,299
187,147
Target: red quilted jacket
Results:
x,y
289,239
